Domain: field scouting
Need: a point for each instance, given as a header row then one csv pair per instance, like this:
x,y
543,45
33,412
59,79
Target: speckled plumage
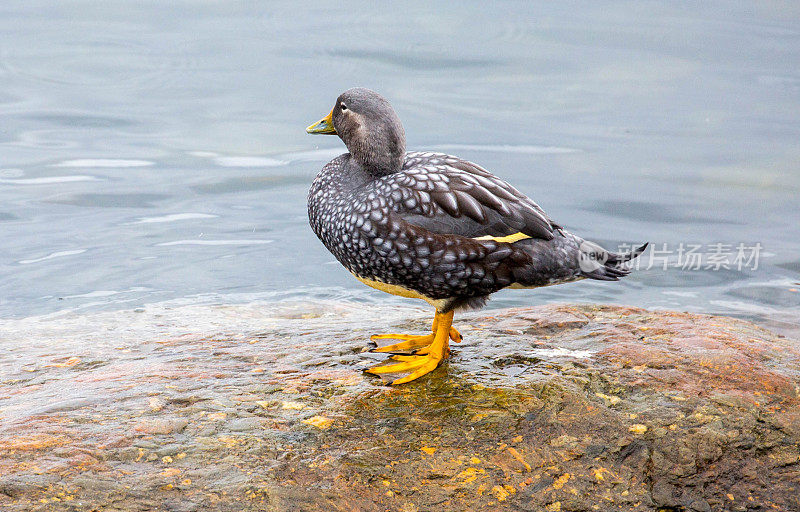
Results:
x,y
429,222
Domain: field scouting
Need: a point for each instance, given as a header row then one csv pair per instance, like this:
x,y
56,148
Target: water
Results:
x,y
154,152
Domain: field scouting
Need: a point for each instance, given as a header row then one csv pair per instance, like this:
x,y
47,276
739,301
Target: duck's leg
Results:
x,y
413,341
421,364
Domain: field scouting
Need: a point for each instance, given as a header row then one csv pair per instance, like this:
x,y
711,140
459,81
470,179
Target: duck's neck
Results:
x,y
380,154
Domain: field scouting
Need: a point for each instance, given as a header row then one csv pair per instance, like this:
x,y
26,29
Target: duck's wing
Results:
x,y
447,195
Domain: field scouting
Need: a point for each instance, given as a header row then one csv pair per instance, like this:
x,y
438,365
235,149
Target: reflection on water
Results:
x,y
160,150
110,200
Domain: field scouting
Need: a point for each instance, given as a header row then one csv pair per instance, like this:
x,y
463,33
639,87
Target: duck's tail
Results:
x,y
568,257
597,263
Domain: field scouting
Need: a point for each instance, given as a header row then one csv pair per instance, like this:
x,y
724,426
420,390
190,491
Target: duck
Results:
x,y
435,227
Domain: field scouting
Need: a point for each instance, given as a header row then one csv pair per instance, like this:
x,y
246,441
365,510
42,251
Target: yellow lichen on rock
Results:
x,y
470,474
228,441
320,422
72,361
599,473
610,399
501,493
518,456
32,442
638,428
560,481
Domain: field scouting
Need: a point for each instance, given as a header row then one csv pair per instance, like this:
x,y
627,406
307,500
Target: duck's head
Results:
x,y
370,129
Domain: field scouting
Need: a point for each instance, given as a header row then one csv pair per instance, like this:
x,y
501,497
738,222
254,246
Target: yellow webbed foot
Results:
x,y
431,350
418,365
412,342
419,372
406,363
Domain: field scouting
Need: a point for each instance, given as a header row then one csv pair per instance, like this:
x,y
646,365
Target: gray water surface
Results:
x,y
156,152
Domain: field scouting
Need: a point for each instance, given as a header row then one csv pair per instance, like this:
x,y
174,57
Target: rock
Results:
x,y
170,449
244,424
21,485
128,454
66,405
96,483
31,442
700,506
549,408
160,425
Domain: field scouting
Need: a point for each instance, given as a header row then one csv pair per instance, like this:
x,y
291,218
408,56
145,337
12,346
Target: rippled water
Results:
x,y
153,151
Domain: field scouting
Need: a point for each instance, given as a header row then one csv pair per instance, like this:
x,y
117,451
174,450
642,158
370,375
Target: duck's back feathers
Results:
x,y
447,195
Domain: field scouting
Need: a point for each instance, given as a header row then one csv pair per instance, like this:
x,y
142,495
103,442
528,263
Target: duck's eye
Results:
x,y
343,106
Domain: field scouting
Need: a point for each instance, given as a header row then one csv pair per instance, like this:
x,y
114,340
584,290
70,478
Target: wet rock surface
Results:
x,y
264,407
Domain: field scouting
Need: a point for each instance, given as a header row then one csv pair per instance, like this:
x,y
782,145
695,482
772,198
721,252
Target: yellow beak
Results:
x,y
324,126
